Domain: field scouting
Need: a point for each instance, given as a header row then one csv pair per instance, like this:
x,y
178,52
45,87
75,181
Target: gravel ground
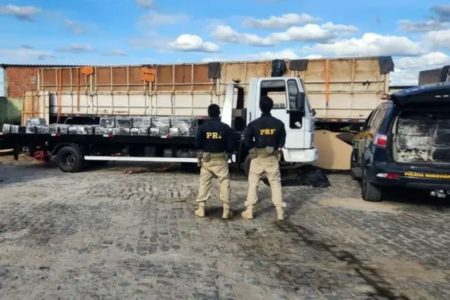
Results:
x,y
104,234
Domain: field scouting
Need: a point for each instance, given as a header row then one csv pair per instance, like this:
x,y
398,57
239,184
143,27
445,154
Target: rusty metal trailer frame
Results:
x,y
340,89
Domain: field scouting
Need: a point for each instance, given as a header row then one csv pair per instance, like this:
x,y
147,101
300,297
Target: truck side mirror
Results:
x,y
313,112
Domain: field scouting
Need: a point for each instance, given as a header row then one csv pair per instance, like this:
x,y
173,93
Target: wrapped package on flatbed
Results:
x,y
80,129
36,125
124,122
139,131
103,130
43,129
142,122
36,122
160,126
6,128
108,122
183,126
121,131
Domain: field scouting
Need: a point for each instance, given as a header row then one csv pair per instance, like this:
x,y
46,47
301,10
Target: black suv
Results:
x,y
406,142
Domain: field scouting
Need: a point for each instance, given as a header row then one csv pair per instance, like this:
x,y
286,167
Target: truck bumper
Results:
x,y
300,155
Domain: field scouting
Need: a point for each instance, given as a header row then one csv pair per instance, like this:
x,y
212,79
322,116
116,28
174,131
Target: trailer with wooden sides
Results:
x,y
342,91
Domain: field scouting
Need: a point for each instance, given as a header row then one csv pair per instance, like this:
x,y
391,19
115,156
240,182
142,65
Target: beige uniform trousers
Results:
x,y
264,165
216,167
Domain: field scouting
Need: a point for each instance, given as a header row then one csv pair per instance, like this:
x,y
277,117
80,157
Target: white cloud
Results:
x,y
25,54
265,55
439,39
339,28
193,43
145,3
227,34
23,13
76,49
309,32
422,26
74,26
154,18
370,44
407,68
306,33
269,55
282,21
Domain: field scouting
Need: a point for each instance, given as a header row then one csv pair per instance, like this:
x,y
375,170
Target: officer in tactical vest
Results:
x,y
265,137
215,141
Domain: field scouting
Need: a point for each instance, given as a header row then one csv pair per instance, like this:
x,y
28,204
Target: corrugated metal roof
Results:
x,y
36,66
68,66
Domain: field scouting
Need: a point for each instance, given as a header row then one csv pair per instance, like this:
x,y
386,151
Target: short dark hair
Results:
x,y
213,110
266,104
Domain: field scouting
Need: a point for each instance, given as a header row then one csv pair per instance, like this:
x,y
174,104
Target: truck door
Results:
x,y
289,107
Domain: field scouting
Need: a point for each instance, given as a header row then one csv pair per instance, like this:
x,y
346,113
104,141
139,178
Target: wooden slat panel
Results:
x,y
201,80
164,75
136,84
49,79
66,79
183,75
119,75
103,78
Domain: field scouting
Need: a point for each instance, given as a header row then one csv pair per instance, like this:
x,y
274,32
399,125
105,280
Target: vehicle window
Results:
x,y
366,124
378,119
293,91
276,90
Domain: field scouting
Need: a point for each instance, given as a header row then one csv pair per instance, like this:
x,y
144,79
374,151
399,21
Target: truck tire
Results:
x,y
369,191
70,159
246,165
355,172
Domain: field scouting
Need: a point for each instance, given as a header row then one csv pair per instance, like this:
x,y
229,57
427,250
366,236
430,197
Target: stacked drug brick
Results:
x,y
119,125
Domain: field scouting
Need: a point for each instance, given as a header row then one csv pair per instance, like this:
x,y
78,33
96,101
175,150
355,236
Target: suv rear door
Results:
x,y
365,138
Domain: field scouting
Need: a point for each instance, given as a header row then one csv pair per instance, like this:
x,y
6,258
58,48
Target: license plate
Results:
x,y
423,175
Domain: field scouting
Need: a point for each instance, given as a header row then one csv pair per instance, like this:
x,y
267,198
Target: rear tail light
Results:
x,y
392,176
381,140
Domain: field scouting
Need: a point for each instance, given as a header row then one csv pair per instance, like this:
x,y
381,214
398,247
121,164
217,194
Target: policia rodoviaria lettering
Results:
x,y
215,141
265,137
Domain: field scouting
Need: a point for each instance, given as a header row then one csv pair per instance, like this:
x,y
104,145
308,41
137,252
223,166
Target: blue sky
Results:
x,y
416,33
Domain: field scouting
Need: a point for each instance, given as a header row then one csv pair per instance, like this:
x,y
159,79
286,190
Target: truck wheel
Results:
x,y
246,165
70,159
369,191
355,172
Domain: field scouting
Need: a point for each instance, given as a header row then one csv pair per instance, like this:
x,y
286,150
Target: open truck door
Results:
x,y
292,108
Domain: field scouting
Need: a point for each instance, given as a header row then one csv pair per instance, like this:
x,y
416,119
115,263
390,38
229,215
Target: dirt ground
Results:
x,y
105,234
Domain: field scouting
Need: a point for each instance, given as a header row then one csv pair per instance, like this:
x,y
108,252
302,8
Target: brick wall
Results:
x,y
19,80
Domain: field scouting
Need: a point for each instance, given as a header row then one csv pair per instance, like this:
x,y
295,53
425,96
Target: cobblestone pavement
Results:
x,y
102,234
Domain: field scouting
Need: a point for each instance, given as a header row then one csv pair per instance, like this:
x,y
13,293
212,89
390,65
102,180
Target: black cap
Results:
x,y
213,110
266,104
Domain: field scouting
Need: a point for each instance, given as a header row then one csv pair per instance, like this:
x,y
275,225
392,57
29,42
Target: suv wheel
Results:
x,y
370,192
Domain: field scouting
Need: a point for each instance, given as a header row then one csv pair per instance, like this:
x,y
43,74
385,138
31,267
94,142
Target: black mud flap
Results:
x,y
306,176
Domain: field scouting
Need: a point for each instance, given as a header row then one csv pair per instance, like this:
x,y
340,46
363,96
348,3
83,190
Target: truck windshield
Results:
x,y
275,89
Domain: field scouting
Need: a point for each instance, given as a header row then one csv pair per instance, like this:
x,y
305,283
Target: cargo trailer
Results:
x,y
159,138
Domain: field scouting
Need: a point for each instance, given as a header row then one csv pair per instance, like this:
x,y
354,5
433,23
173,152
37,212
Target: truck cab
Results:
x,y
291,106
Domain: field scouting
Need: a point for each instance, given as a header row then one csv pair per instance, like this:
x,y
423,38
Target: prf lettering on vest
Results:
x,y
267,131
213,135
